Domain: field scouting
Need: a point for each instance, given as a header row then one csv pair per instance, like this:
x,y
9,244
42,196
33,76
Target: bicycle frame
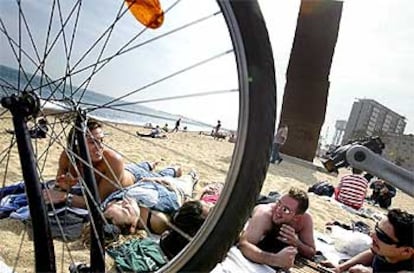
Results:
x,y
363,158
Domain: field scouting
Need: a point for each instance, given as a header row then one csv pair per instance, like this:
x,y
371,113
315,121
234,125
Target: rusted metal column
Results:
x,y
307,85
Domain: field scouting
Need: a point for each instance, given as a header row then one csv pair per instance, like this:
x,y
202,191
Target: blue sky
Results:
x,y
372,57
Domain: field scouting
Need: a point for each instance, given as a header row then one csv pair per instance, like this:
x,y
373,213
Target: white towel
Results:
x,y
235,262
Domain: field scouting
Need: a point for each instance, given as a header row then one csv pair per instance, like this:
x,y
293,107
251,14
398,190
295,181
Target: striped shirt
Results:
x,y
352,190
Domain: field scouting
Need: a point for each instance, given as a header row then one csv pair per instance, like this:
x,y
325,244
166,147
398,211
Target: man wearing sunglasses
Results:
x,y
392,247
278,231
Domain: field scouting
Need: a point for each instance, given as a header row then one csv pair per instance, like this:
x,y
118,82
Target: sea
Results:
x,y
128,114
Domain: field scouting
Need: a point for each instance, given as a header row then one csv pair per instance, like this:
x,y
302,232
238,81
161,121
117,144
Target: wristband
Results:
x,y
69,199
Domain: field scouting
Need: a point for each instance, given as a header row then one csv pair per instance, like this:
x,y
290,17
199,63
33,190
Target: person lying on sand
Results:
x,y
155,133
133,208
276,232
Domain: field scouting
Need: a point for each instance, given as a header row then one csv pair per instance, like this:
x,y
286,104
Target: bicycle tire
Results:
x,y
252,151
251,158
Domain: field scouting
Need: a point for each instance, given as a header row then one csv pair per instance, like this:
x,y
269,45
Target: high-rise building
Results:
x,y
400,150
340,126
369,118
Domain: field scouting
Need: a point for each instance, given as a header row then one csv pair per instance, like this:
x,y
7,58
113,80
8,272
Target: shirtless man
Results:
x,y
110,171
276,232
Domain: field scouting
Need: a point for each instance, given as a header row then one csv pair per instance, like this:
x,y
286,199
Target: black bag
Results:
x,y
323,188
70,222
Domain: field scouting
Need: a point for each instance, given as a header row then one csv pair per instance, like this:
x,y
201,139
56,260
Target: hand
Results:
x,y
288,235
66,181
286,257
160,181
53,196
359,268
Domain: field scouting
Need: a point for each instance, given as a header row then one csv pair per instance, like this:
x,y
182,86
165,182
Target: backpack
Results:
x,y
323,188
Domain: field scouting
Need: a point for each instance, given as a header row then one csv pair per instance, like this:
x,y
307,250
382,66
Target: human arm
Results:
x,y
303,240
257,227
364,258
64,178
388,190
57,197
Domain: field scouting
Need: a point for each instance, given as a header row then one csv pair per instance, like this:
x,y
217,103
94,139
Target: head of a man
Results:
x,y
393,236
290,206
94,140
124,214
188,220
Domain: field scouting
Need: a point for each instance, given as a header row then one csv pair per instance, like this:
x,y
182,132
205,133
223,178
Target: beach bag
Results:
x,y
70,222
323,188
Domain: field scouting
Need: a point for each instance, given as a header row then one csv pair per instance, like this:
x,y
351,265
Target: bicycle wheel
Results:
x,y
78,50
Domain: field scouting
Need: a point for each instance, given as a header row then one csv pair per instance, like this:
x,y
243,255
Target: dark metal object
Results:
x,y
97,238
381,168
21,107
336,158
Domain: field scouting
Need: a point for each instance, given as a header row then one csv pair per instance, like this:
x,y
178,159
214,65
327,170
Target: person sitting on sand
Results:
x,y
39,130
110,171
165,128
382,193
352,189
155,133
276,232
392,247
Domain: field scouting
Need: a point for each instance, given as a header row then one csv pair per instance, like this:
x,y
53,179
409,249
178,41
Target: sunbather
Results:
x,y
278,231
132,208
155,133
110,171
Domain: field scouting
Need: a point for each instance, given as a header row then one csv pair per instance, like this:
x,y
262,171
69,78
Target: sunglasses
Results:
x,y
285,209
384,237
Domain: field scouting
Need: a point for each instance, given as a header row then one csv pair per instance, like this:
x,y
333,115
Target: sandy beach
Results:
x,y
209,157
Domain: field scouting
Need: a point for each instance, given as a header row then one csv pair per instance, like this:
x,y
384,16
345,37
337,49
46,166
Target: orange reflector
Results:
x,y
147,12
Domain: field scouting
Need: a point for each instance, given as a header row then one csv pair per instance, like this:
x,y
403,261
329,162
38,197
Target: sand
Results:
x,y
209,157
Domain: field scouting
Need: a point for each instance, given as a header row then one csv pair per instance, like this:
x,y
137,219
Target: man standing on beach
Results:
x,y
177,125
392,247
278,231
278,141
218,126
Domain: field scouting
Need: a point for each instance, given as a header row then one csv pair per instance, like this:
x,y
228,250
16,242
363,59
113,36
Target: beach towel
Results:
x,y
235,262
4,268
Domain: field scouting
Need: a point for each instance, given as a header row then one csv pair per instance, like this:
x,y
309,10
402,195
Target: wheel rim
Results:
x,y
80,97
